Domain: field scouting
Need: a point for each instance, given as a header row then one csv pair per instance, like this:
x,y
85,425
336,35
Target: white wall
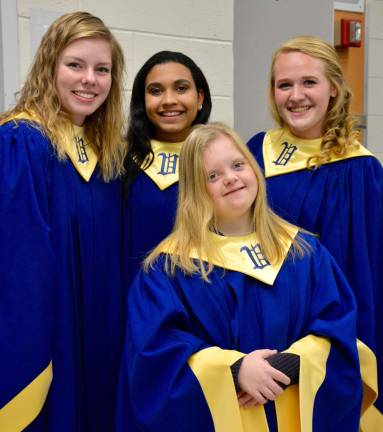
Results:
x,y
202,29
374,100
260,27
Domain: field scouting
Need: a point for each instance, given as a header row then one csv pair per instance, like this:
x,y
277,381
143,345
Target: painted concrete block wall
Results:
x,y
374,36
201,29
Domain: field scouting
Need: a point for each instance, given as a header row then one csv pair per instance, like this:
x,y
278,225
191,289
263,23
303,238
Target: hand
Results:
x,y
245,400
258,379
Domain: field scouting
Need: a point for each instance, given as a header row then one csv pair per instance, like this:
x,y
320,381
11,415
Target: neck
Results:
x,y
235,228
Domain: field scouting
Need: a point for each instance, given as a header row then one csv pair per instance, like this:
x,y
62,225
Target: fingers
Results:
x,y
264,353
279,376
244,399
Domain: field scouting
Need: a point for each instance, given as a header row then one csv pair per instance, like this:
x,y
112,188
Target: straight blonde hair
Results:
x,y
195,212
39,98
339,133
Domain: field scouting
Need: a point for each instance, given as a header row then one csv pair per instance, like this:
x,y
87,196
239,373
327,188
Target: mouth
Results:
x,y
299,109
170,113
84,94
234,190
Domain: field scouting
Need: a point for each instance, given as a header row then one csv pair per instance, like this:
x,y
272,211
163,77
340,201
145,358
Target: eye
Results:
x,y
212,176
309,82
154,91
237,165
74,65
283,86
103,69
182,88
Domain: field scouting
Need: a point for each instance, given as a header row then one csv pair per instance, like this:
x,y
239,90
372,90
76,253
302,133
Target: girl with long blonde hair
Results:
x,y
231,307
320,177
61,152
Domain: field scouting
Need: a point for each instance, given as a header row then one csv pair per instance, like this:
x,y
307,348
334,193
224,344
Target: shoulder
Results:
x,y
24,150
26,134
256,140
255,145
314,250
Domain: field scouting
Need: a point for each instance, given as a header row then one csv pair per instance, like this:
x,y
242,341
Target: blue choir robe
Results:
x,y
342,202
184,333
60,278
150,208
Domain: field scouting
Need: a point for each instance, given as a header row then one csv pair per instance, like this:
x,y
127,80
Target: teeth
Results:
x,y
299,109
85,95
170,113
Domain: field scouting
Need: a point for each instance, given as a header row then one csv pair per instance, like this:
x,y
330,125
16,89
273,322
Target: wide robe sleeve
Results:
x,y
331,391
26,275
175,377
342,202
156,386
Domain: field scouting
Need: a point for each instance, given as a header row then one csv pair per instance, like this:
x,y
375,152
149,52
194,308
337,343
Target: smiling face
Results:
x,y
171,100
302,93
83,78
232,185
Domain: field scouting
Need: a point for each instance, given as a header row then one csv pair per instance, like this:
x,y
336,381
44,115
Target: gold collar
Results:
x,y
79,151
285,153
242,254
164,168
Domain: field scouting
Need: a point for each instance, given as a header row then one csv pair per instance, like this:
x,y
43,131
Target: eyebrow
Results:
x,y
303,77
81,60
176,82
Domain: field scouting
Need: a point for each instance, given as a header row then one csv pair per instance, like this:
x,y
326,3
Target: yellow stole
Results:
x,y
164,168
295,406
77,148
242,254
285,153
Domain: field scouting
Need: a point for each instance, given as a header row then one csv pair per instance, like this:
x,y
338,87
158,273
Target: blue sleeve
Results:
x,y
158,333
255,145
26,259
333,311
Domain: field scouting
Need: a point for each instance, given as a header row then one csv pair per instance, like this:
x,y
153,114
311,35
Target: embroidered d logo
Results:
x,y
169,163
286,154
256,256
81,152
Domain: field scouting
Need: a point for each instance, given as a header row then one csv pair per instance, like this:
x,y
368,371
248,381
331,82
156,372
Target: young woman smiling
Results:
x,y
218,301
321,178
170,94
60,234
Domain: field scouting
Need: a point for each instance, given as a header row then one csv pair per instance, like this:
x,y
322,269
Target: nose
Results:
x,y
297,93
168,97
89,77
230,178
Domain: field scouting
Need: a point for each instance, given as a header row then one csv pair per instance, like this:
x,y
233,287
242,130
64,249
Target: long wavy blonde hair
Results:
x,y
339,133
195,212
39,98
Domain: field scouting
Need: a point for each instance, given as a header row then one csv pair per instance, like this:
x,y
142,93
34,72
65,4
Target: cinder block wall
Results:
x,y
199,28
374,38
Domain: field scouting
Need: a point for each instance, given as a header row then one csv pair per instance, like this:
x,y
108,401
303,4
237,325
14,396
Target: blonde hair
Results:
x,y
39,98
339,133
195,211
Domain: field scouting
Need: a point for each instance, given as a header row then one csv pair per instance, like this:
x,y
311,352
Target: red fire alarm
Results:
x,y
348,33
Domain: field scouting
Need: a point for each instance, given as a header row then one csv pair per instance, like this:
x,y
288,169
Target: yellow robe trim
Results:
x,y
295,405
18,413
372,419
164,168
238,253
279,144
211,366
79,151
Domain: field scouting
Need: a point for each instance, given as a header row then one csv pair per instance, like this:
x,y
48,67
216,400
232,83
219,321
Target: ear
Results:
x,y
333,91
201,98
